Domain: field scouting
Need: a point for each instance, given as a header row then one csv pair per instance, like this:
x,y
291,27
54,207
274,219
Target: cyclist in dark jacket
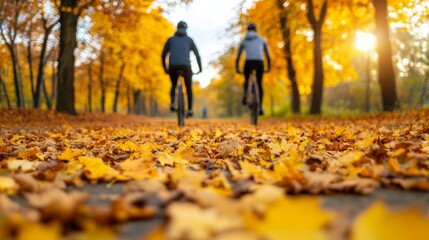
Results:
x,y
255,47
178,49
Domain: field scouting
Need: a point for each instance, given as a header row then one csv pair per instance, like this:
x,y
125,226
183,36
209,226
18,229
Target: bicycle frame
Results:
x,y
180,101
253,98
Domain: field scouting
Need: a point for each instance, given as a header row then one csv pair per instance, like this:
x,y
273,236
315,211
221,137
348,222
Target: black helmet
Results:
x,y
182,24
251,26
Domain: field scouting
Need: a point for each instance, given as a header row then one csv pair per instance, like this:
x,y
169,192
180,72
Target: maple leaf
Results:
x,y
365,143
289,166
128,146
171,159
283,220
138,169
30,154
377,222
231,147
69,155
220,184
277,147
96,169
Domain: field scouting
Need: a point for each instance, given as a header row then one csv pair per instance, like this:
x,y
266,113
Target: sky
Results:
x,y
207,23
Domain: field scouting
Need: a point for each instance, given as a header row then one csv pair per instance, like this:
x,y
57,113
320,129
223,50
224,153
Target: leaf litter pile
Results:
x,y
216,179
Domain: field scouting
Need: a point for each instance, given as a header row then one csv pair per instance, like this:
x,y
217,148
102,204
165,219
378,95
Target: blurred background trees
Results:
x,y
104,56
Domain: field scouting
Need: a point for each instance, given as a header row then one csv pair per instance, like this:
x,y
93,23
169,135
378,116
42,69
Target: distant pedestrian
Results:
x,y
204,112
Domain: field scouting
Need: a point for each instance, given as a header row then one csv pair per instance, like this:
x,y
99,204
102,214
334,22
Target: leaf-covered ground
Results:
x,y
94,175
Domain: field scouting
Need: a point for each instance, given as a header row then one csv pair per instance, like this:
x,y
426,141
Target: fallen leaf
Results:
x,y
34,231
378,222
21,165
284,220
8,185
69,155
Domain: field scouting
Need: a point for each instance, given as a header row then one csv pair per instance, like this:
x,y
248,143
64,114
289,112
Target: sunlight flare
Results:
x,y
365,41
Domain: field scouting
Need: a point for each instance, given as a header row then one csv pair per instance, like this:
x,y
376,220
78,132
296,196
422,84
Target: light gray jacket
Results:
x,y
255,47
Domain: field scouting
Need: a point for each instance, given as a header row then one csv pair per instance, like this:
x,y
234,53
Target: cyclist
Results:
x,y
178,47
255,47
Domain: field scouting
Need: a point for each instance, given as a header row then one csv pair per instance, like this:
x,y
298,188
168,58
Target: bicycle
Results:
x,y
180,101
253,100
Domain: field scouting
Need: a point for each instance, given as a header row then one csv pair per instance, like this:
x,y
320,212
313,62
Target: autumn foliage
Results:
x,y
213,179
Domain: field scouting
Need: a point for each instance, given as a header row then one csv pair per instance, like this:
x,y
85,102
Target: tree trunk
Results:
x,y
30,63
6,95
144,108
66,60
317,88
118,86
21,85
90,87
129,99
18,90
386,75
41,70
102,82
54,83
48,100
296,101
137,102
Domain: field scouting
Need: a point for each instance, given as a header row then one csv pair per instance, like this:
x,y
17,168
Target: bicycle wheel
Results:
x,y
180,105
254,103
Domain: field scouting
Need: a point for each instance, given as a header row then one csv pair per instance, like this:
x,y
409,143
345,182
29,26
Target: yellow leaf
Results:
x,y
171,159
69,155
279,147
365,143
143,168
95,169
37,230
128,146
220,185
30,153
284,220
378,222
8,185
399,152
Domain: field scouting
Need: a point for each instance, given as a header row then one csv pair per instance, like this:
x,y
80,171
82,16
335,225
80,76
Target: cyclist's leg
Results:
x,y
259,77
188,82
174,76
248,67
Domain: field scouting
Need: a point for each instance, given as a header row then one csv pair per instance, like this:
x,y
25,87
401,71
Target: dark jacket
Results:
x,y
179,46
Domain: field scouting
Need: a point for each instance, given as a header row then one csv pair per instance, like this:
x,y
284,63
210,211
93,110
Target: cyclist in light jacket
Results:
x,y
178,47
255,47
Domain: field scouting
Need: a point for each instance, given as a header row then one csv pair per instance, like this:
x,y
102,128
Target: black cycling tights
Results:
x,y
249,66
186,71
